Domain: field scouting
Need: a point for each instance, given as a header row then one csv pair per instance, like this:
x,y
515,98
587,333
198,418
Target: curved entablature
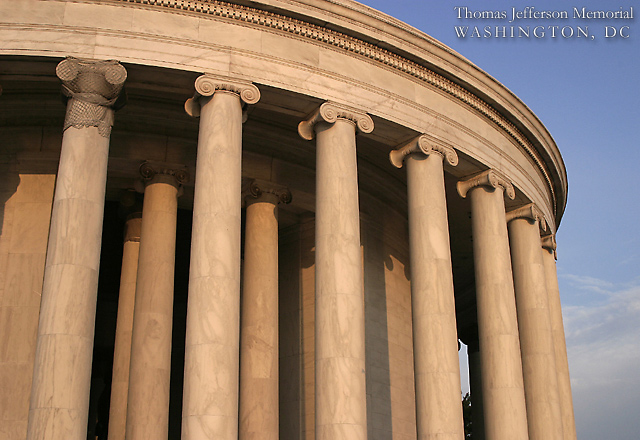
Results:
x,y
396,61
393,49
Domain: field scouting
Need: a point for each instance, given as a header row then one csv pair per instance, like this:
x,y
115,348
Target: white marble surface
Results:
x,y
437,371
124,330
534,324
502,384
339,344
61,380
560,346
150,370
259,414
210,399
23,244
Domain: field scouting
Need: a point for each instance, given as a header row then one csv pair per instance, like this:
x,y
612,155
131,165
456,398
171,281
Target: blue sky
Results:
x,y
587,93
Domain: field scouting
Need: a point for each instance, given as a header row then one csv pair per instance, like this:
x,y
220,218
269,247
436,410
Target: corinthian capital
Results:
x,y
426,145
330,113
530,212
93,90
207,85
489,178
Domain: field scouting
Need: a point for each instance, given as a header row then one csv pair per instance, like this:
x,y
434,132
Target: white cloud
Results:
x,y
603,344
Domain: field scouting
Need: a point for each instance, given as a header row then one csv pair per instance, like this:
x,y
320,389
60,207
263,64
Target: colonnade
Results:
x,y
231,373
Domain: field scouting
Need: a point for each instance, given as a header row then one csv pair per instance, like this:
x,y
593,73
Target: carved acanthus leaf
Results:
x,y
92,89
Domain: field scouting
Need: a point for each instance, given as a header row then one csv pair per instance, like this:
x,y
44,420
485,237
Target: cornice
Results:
x,y
426,145
302,29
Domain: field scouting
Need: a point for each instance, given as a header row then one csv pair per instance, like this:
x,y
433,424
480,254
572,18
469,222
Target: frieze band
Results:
x,y
355,45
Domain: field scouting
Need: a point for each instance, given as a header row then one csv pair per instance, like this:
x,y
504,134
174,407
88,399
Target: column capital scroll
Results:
x,y
529,211
206,85
330,112
257,188
92,89
489,178
153,172
549,243
426,145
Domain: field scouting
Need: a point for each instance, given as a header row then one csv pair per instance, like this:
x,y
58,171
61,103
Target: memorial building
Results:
x,y
269,219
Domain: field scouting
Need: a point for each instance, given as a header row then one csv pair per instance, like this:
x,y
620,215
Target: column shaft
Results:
x,y
62,368
437,371
124,327
536,343
559,344
259,416
340,351
210,404
502,384
148,401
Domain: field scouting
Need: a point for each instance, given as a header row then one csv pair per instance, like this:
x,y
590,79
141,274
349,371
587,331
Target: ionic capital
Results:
x,y
207,85
530,212
426,145
155,172
489,178
330,112
93,90
549,243
258,188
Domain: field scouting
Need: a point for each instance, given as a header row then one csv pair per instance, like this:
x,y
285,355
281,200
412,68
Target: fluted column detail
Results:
x,y
124,324
62,369
534,324
340,394
505,416
150,371
435,340
259,414
210,399
559,343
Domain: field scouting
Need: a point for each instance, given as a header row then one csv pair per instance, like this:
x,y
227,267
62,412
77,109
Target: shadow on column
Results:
x,y
106,314
379,405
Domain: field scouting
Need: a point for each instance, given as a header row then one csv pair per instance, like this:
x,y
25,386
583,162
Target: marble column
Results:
x,y
150,371
505,416
435,340
340,393
124,326
259,414
534,324
62,370
559,344
210,400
